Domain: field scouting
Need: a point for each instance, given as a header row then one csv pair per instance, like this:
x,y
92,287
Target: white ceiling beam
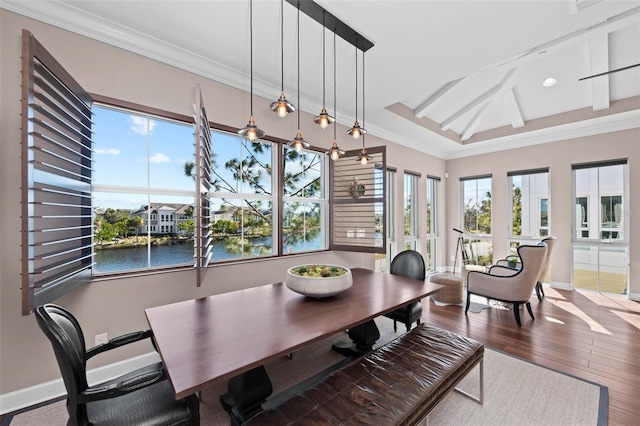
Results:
x,y
599,53
630,17
513,109
505,88
576,6
472,126
486,97
428,105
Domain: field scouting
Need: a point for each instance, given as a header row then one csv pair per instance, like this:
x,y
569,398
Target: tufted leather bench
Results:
x,y
396,384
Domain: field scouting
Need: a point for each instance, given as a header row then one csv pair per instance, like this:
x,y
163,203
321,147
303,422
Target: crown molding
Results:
x,y
607,124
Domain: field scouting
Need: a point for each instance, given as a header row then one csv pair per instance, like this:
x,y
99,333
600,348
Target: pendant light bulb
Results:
x,y
335,152
363,158
282,106
324,119
299,143
251,131
356,131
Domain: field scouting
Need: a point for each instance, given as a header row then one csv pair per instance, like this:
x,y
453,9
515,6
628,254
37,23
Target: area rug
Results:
x,y
515,392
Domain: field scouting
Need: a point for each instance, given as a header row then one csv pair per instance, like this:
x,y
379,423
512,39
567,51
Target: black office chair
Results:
x,y
143,396
410,264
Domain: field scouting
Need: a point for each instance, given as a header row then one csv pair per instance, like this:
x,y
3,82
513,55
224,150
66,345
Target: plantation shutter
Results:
x,y
358,202
57,156
203,161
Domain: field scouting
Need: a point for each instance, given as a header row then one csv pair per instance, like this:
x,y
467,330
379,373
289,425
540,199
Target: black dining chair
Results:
x,y
410,264
141,397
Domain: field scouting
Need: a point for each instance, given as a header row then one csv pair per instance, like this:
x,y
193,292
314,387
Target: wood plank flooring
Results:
x,y
586,334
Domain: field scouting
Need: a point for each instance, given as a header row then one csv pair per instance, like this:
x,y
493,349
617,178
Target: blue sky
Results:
x,y
145,152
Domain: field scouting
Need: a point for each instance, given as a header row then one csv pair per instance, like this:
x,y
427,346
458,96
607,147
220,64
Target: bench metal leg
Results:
x,y
479,399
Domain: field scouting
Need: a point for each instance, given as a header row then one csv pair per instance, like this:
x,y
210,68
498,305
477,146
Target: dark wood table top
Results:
x,y
215,338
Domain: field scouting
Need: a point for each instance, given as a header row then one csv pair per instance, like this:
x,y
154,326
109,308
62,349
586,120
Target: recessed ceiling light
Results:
x,y
548,82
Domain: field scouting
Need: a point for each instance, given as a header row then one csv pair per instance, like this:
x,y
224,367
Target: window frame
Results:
x,y
323,200
433,182
477,242
411,199
600,254
534,199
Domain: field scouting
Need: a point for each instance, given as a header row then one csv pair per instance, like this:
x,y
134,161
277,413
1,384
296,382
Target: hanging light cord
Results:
x,y
323,60
282,44
251,50
356,77
335,109
298,29
363,103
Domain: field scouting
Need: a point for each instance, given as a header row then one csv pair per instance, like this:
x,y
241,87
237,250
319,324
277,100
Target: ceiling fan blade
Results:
x,y
609,72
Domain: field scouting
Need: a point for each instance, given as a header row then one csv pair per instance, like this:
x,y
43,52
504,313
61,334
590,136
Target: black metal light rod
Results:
x,y
318,14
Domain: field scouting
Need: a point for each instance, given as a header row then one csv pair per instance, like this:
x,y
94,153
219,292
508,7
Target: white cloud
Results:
x,y
159,157
110,151
141,125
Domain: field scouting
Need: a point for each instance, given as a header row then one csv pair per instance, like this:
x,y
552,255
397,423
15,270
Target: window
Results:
x,y
411,210
305,205
600,244
582,217
139,175
476,202
544,217
476,218
383,260
529,206
432,218
611,218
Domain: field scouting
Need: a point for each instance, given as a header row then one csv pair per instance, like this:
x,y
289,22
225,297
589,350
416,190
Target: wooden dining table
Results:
x,y
230,336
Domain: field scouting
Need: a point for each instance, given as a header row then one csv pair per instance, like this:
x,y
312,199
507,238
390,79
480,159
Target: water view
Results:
x,y
136,257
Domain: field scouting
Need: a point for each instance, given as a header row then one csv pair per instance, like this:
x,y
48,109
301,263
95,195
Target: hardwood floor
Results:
x,y
586,334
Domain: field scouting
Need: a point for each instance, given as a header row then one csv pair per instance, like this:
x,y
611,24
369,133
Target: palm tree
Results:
x,y
135,222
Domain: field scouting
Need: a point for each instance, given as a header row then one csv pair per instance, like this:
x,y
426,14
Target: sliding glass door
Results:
x,y
600,241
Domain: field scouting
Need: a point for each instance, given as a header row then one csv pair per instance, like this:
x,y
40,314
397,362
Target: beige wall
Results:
x,y
117,306
558,156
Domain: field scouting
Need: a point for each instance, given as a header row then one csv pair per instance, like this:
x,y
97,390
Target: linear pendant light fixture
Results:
x,y
282,106
356,131
251,131
298,143
335,152
324,119
363,158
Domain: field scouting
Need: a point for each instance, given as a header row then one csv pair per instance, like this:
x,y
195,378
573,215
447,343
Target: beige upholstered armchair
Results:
x,y
513,261
510,285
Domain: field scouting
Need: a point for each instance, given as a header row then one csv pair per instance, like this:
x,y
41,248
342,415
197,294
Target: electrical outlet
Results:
x,y
102,338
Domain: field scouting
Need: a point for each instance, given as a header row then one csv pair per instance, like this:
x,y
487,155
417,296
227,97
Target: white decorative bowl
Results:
x,y
319,287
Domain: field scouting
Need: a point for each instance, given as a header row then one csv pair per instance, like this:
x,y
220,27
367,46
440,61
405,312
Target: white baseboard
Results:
x,y
634,296
43,392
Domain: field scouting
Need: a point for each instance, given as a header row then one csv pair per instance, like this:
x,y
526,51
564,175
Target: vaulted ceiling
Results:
x,y
450,78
